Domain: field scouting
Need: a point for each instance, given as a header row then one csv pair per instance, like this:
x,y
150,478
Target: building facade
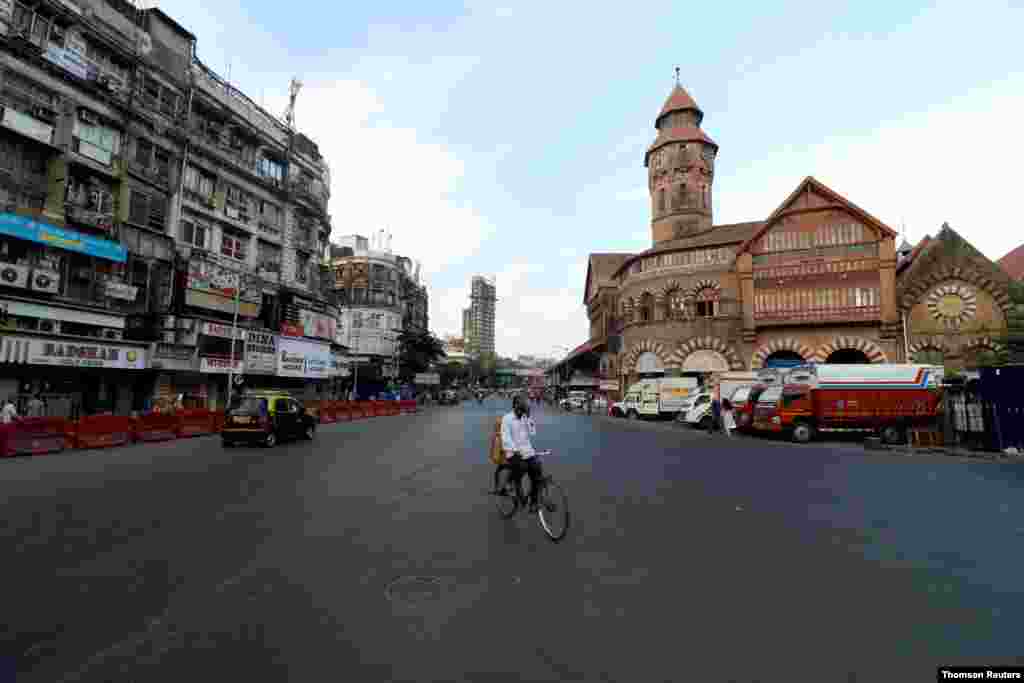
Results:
x,y
379,296
816,281
147,204
480,319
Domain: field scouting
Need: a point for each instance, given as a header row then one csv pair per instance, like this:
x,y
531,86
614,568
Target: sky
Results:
x,y
507,139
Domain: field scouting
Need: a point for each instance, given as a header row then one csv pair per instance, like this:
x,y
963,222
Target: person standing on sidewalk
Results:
x,y
8,413
728,423
716,411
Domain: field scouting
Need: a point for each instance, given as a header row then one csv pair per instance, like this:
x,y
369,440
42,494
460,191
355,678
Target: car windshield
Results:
x,y
770,395
249,405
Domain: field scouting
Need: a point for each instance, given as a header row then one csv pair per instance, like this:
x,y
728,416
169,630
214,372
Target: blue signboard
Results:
x,y
34,231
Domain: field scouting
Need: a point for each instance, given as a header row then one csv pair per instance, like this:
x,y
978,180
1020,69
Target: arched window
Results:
x,y
929,357
706,302
675,305
646,307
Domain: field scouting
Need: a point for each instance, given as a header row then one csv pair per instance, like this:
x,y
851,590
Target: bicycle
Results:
x,y
552,501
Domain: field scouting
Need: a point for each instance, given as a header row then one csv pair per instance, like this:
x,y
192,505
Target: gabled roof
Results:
x,y
1013,263
603,267
718,236
811,183
679,100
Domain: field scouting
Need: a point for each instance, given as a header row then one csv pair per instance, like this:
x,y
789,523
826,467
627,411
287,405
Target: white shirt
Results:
x,y
8,413
516,433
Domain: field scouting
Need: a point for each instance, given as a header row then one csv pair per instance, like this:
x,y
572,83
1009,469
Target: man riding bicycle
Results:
x,y
516,429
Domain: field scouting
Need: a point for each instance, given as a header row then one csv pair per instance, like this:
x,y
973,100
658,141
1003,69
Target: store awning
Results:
x,y
586,347
26,228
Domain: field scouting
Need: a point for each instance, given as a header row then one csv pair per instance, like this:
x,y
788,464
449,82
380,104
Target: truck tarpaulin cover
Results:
x,y
874,376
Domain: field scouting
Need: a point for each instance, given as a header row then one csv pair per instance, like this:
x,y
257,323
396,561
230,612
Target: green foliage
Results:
x,y
417,352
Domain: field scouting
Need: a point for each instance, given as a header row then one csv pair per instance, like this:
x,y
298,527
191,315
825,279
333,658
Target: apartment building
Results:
x,y
145,204
480,318
379,295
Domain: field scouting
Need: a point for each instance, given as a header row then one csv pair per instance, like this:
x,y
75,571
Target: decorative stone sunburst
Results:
x,y
952,304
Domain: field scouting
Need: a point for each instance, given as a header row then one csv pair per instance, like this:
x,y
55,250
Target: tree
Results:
x,y
417,351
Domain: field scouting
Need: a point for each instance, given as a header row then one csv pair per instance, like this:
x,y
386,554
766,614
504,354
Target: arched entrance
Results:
x,y
705,360
648,363
784,359
848,357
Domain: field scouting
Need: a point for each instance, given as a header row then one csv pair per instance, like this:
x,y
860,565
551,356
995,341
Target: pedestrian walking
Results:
x,y
8,413
728,421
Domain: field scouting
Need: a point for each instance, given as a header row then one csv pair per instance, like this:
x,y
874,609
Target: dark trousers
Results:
x,y
517,466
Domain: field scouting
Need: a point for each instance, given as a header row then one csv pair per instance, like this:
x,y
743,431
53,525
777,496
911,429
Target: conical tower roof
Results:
x,y
680,100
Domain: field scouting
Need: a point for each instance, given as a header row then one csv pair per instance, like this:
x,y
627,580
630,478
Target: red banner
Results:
x,y
292,330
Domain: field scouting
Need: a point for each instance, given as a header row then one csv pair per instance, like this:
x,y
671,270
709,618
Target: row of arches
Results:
x,y
674,302
976,352
712,354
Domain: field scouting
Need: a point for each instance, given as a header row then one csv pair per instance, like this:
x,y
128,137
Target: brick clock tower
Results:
x,y
680,169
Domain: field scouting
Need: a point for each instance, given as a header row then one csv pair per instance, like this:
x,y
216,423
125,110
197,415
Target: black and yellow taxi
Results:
x,y
266,417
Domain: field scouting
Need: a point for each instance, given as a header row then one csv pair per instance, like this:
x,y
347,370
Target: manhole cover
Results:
x,y
414,590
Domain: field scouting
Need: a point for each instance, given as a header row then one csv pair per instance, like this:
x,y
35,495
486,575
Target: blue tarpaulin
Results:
x,y
26,228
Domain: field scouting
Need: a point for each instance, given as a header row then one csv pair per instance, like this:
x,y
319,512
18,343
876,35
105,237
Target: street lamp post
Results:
x,y
234,334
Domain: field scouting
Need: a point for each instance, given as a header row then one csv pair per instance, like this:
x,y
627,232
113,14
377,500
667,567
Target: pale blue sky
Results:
x,y
508,138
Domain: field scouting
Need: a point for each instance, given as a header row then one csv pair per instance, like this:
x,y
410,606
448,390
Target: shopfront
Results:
x,y
76,377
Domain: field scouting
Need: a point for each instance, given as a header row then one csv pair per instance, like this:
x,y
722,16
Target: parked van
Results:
x,y
664,397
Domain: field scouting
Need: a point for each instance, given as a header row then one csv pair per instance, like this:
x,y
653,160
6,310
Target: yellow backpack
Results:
x,y
497,452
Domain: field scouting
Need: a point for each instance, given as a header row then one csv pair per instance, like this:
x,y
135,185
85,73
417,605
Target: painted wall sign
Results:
x,y
25,228
27,125
215,302
42,351
221,330
210,276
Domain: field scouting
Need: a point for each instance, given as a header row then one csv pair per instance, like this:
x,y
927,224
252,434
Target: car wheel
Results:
x,y
894,435
310,432
633,415
705,423
270,440
803,432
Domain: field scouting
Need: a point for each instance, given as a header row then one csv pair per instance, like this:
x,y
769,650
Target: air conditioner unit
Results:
x,y
45,281
13,276
48,326
44,113
113,335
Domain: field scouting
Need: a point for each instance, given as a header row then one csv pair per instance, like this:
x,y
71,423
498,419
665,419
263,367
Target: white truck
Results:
x,y
663,397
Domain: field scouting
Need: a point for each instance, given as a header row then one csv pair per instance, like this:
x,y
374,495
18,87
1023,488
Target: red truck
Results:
x,y
744,400
881,398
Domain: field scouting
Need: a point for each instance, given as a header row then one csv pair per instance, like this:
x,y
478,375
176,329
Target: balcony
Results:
x,y
83,215
819,314
203,200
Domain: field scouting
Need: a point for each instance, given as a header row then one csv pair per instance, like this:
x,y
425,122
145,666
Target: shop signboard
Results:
x,y
260,353
171,357
609,385
221,330
216,302
119,290
292,330
43,351
220,365
27,125
25,228
299,358
317,325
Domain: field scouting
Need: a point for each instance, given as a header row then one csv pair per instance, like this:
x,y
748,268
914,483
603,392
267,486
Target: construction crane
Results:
x,y
293,92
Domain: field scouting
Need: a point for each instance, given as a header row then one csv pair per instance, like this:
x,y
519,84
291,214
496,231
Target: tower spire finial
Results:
x,y
677,75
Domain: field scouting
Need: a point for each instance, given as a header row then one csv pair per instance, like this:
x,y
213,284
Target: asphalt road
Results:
x,y
373,554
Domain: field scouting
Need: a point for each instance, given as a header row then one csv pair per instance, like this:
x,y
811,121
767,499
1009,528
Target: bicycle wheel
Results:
x,y
553,510
505,499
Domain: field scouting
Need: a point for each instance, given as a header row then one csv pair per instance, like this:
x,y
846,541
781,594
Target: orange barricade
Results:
x,y
194,422
363,409
378,408
156,427
343,411
328,412
218,421
101,431
394,408
408,407
35,435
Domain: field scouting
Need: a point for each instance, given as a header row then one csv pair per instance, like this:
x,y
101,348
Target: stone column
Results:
x,y
745,270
